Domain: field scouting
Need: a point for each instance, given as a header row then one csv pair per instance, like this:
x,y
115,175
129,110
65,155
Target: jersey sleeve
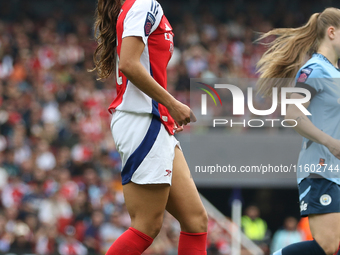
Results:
x,y
311,78
142,19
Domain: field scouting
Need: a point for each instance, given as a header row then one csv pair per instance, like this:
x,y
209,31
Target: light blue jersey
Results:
x,y
322,79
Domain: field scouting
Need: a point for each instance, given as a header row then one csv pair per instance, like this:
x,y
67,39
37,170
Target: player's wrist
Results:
x,y
327,140
170,102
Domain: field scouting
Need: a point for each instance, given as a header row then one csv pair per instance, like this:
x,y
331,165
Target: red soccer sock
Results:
x,y
192,243
131,242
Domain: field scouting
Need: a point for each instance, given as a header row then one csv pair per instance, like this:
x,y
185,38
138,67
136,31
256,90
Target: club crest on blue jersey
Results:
x,y
149,22
305,72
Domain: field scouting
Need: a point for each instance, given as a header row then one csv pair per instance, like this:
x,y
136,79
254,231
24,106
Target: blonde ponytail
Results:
x,y
287,53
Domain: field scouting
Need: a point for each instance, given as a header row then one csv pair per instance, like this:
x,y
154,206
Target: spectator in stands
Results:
x,y
288,235
255,228
92,238
110,231
70,245
31,201
46,240
55,209
21,243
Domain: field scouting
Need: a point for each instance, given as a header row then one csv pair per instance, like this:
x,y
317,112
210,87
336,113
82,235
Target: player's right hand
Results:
x,y
181,113
334,147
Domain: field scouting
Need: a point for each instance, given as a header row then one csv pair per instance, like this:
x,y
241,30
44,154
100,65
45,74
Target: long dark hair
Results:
x,y
104,56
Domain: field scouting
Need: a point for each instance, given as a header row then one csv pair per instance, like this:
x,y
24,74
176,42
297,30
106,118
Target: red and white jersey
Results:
x,y
145,19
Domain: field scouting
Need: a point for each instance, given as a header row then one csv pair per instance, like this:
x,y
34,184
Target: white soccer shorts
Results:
x,y
147,150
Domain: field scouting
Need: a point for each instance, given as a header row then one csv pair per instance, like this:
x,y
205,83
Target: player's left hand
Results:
x,y
178,128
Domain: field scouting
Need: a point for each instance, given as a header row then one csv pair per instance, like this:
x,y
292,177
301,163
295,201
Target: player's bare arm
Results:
x,y
308,130
129,64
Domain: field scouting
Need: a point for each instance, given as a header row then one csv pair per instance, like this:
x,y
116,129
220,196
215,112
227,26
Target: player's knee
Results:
x,y
204,219
155,227
148,225
201,221
196,223
330,249
328,243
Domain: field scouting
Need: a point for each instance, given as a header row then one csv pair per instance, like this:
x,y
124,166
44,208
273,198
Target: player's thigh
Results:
x,y
325,229
320,200
184,202
146,205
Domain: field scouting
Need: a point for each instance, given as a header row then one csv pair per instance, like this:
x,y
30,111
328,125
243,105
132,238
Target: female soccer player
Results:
x,y
136,38
320,153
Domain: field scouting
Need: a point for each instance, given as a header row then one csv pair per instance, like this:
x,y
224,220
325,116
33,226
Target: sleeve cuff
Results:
x,y
312,90
135,33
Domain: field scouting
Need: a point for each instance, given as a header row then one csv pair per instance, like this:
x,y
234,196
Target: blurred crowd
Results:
x,y
60,183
